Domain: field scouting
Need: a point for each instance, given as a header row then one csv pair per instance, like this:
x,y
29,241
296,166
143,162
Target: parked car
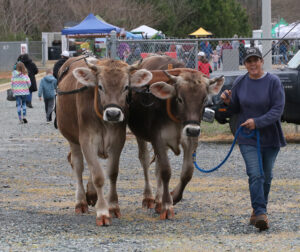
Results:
x,y
290,78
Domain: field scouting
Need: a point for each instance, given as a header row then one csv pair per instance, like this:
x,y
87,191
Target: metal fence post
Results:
x,y
43,52
27,43
196,55
113,49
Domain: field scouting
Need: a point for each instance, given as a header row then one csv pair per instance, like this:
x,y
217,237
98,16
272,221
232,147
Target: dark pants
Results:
x,y
49,106
29,98
259,185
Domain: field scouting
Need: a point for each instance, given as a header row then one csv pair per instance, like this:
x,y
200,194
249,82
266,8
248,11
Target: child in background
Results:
x,y
203,64
215,59
47,90
20,84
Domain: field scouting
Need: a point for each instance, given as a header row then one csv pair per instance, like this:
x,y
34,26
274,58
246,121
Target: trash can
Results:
x,y
54,52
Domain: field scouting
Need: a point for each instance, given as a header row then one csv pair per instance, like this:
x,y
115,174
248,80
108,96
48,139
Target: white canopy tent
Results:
x,y
145,30
282,30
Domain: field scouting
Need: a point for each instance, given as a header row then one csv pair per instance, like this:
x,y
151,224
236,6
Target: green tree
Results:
x,y
223,18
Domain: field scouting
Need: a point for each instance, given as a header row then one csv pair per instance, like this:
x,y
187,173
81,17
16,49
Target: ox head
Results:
x,y
113,80
188,94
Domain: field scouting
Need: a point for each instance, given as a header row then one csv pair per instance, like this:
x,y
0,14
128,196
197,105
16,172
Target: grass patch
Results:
x,y
2,81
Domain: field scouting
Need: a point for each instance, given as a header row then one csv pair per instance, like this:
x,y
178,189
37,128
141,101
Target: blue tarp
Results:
x,y
130,35
90,25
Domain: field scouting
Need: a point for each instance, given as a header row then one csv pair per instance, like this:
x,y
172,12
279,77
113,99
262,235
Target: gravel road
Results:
x,y
37,198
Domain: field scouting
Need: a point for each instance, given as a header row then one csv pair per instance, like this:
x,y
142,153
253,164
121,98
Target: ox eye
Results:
x,y
179,100
126,88
100,87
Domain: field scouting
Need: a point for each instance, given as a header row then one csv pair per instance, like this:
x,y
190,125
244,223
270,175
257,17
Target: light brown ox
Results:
x,y
93,122
172,121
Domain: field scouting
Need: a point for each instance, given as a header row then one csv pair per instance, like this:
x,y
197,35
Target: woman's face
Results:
x,y
254,66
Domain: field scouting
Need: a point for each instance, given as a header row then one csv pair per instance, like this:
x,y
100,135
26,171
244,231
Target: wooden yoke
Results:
x,y
159,75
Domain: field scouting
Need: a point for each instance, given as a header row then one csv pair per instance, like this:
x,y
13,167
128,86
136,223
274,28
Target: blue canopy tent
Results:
x,y
85,33
90,26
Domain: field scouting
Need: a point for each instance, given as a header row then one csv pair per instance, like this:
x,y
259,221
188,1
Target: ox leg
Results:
x,y
98,176
159,190
113,171
91,194
187,169
76,160
144,157
164,173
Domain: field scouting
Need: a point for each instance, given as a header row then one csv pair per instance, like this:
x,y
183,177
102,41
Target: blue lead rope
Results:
x,y
239,130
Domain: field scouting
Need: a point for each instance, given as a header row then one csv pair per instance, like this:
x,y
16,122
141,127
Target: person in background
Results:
x,y
32,71
235,43
283,51
258,98
226,46
215,59
47,90
241,52
219,51
203,64
64,57
20,84
206,48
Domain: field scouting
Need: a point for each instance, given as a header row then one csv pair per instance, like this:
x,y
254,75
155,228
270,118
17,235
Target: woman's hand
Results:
x,y
225,96
249,124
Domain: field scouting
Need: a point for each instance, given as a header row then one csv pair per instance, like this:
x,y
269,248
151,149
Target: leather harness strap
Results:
x,y
169,111
96,103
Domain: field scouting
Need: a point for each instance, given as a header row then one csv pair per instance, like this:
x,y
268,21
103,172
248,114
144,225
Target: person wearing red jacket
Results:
x,y
203,64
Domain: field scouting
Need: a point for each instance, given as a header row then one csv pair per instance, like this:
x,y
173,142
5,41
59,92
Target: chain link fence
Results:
x,y
10,51
223,54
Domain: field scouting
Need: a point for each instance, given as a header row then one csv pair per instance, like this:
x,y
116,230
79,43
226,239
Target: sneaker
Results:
x,y
25,120
262,222
252,218
21,121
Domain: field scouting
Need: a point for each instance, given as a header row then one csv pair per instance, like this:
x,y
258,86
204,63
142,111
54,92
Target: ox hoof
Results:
x,y
158,207
103,221
148,203
167,214
91,198
115,212
81,208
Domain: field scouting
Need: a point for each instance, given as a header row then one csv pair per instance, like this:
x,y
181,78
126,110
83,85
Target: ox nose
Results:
x,y
192,131
113,115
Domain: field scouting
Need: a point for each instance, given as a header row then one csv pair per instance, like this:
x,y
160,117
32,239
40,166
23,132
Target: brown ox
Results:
x,y
173,119
93,122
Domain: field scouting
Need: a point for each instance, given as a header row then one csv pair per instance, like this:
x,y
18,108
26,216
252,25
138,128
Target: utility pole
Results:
x,y
266,27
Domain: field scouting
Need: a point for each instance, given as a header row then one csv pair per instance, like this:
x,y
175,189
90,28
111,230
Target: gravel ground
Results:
x,y
37,199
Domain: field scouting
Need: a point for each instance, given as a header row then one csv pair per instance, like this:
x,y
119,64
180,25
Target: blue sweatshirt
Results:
x,y
47,87
263,100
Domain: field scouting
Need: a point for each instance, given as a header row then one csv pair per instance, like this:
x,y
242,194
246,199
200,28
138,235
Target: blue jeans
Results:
x,y
259,185
21,105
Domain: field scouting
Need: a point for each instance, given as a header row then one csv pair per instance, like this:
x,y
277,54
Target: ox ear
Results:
x,y
162,90
140,78
215,85
85,76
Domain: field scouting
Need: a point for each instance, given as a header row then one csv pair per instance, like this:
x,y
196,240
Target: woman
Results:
x,y
258,99
20,84
32,71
